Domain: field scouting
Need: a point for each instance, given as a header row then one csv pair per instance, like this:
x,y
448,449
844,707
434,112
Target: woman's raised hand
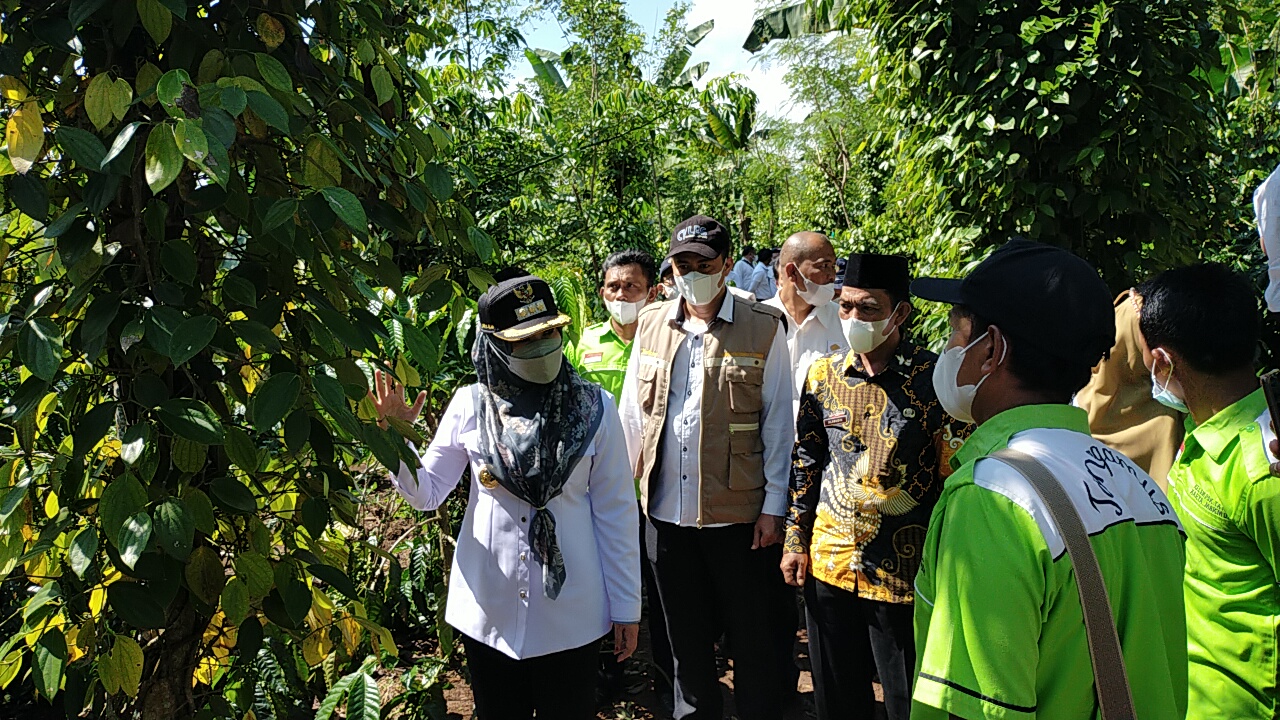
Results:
x,y
389,400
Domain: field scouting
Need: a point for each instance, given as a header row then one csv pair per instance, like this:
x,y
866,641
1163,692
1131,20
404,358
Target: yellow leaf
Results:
x,y
148,76
121,96
270,30
107,674
126,659
99,99
351,634
13,89
97,598
25,135
10,666
156,18
316,647
51,505
406,373
74,651
381,636
321,166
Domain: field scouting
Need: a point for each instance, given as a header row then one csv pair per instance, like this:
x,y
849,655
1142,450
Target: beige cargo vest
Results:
x,y
731,478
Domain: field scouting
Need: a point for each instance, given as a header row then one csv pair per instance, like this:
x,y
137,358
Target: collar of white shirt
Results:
x,y
675,314
826,315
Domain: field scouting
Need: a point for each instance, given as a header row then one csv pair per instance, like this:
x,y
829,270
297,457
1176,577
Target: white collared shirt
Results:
x,y
763,284
495,586
674,493
820,334
741,274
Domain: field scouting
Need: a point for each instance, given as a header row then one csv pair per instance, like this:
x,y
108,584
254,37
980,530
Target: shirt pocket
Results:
x,y
746,388
647,386
746,469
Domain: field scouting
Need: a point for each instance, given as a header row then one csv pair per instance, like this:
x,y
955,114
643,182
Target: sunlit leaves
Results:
x,y
163,158
156,18
192,419
24,134
121,669
50,660
321,166
175,530
133,537
40,346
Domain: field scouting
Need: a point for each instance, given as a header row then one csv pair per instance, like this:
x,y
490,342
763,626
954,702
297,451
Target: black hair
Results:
x,y
631,256
748,250
1207,313
1054,377
765,255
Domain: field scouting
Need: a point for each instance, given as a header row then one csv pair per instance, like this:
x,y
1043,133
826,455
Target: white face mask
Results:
x,y
538,362
699,288
865,335
814,294
957,400
622,312
1164,395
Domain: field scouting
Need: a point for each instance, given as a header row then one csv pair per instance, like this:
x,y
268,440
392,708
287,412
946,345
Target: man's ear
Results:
x,y
996,348
653,293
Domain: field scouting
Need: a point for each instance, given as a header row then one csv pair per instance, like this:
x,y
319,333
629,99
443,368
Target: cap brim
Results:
x,y
946,290
698,249
529,328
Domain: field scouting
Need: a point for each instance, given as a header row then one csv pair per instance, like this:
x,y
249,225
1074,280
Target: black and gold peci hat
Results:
x,y
519,307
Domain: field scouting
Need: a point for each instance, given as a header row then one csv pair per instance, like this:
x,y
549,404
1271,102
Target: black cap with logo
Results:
x,y
1038,294
519,307
701,235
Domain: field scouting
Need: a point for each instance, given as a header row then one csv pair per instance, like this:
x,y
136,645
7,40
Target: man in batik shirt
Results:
x,y
872,451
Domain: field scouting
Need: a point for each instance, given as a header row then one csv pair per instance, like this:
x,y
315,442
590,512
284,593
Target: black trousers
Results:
x,y
559,686
711,581
659,644
849,640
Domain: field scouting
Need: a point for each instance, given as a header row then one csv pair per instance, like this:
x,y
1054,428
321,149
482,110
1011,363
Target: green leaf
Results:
x,y
297,430
123,498
98,317
235,600
156,18
83,146
179,260
257,336
233,495
163,159
295,596
123,138
174,528
273,72
383,87
363,702
50,661
192,336
255,571
271,112
82,10
321,166
126,662
331,700
438,181
135,605
93,427
170,87
191,140
192,419
133,538
481,241
200,509
335,578
274,399
205,575
63,223
348,209
241,451
83,547
98,100
134,441
29,195
40,347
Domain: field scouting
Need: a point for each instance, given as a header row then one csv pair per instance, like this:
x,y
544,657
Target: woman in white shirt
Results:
x,y
548,556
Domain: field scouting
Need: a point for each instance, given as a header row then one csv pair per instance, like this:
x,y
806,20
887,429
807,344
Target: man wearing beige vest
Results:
x,y
706,410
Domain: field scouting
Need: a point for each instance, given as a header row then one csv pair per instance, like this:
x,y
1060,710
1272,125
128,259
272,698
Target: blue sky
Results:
x,y
722,48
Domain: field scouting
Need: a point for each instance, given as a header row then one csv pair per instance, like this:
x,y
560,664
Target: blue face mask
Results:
x,y
1164,395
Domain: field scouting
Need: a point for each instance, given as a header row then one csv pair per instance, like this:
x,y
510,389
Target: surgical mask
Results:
x,y
537,362
699,288
622,312
1164,395
816,295
864,335
956,399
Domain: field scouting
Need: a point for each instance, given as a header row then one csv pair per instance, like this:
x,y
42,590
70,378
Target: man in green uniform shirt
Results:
x,y
628,284
1200,328
998,624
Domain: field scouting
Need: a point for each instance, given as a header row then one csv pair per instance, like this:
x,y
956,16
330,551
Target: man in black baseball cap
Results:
x,y
998,609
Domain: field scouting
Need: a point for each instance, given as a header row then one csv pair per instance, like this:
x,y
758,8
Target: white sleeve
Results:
x,y
777,425
1266,208
616,518
441,467
629,408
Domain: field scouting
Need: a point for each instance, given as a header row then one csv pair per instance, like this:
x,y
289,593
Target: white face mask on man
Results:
x,y
957,399
623,312
699,288
813,293
865,335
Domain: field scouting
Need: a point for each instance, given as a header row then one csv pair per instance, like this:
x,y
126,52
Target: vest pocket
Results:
x,y
647,386
746,456
746,388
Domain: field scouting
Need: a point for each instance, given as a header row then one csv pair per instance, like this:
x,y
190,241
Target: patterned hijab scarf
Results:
x,y
532,437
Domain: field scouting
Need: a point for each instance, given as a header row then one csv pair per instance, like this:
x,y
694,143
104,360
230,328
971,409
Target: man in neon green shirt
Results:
x,y
998,622
1200,330
601,354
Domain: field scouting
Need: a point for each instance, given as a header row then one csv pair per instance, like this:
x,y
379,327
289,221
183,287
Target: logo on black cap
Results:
x,y
524,293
